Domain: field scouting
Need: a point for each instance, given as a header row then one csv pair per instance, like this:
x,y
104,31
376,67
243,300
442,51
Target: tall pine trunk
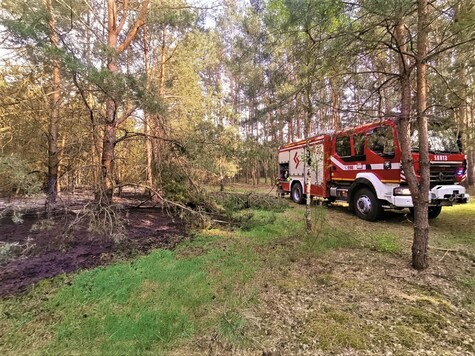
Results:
x,y
420,259
112,120
419,184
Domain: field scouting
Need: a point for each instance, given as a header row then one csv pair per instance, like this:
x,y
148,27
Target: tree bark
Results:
x,y
405,115
112,121
470,149
419,182
61,147
308,163
157,122
147,117
266,170
335,109
54,100
110,129
420,258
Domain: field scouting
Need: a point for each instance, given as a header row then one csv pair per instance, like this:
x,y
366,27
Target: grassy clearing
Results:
x,y
267,286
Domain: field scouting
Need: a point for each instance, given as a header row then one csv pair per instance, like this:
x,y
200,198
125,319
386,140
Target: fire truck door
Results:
x,y
317,164
382,157
297,162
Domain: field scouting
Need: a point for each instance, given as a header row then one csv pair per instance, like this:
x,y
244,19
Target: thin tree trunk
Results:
x,y
60,156
308,165
464,114
110,127
266,171
95,148
405,115
258,172
470,150
335,109
420,258
147,117
54,100
470,146
163,62
158,126
298,125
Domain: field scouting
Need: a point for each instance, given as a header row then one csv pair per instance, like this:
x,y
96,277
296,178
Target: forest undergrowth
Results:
x,y
262,285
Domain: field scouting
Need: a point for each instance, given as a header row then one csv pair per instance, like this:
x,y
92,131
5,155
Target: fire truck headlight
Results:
x,y
402,191
460,171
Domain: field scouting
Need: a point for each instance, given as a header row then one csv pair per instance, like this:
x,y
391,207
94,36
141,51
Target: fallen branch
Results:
x,y
444,249
155,193
445,254
202,214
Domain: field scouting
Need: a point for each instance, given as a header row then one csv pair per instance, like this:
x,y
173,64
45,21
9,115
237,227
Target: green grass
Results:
x,y
205,289
455,228
385,242
152,303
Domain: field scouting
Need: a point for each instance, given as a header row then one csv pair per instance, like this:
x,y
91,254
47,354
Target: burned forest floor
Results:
x,y
34,247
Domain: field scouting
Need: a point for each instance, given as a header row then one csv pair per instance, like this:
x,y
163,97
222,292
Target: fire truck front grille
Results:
x,y
443,173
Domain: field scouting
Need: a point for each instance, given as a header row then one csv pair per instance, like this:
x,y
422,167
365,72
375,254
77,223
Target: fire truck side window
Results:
x,y
343,147
381,141
358,141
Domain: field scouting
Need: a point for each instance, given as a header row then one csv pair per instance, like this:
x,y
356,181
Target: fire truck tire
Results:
x,y
297,193
434,211
366,205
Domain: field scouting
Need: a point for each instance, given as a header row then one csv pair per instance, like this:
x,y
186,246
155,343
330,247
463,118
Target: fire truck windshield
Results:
x,y
440,141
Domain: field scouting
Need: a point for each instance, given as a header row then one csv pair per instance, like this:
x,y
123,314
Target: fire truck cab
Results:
x,y
362,166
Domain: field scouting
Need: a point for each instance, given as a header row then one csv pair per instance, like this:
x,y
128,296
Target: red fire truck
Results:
x,y
362,166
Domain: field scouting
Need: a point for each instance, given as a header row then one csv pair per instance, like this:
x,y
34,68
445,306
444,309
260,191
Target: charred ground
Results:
x,y
36,247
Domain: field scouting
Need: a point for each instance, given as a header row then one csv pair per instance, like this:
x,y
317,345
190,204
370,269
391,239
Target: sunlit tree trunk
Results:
x,y
147,116
335,109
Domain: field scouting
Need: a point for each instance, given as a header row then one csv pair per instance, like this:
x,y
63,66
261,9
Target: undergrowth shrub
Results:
x,y
229,209
232,202
16,176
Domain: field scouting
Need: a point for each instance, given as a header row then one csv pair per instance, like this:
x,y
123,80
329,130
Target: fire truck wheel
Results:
x,y
434,211
367,205
297,193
